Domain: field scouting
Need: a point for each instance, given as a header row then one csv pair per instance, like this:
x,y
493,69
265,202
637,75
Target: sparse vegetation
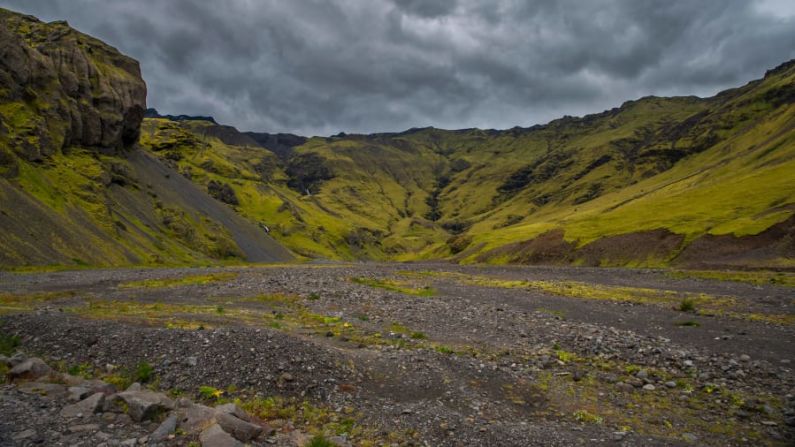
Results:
x,y
210,393
752,277
320,441
687,305
396,286
180,281
587,418
143,372
688,323
8,343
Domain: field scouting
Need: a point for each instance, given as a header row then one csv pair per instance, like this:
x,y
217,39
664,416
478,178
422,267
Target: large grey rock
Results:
x,y
15,360
144,405
234,410
195,418
215,436
240,429
166,428
44,389
86,407
78,393
30,369
98,386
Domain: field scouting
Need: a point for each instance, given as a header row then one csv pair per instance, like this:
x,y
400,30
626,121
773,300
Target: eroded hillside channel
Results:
x,y
420,354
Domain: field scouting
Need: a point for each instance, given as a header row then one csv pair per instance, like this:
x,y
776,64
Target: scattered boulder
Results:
x,y
144,405
234,410
44,389
164,430
78,393
88,406
240,429
29,434
195,417
30,369
215,436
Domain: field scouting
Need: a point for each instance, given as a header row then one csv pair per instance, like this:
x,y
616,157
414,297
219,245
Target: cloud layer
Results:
x,y
318,67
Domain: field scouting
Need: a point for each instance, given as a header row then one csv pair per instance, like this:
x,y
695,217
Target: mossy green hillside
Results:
x,y
667,173
691,167
92,211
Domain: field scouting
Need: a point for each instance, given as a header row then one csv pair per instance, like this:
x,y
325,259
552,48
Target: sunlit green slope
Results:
x,y
641,184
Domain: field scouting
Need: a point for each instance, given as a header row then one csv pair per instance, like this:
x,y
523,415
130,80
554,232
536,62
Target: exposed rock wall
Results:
x,y
61,88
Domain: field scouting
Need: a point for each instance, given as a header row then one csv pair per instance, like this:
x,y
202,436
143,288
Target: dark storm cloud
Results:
x,y
318,67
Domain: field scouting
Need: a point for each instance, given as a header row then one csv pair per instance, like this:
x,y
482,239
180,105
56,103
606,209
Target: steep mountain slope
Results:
x,y
658,181
74,188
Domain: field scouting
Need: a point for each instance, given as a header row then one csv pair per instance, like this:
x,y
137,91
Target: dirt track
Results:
x,y
460,356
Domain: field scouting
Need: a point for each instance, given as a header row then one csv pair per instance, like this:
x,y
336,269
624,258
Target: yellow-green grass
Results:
x,y
395,286
180,281
707,193
21,302
700,303
73,190
753,277
734,179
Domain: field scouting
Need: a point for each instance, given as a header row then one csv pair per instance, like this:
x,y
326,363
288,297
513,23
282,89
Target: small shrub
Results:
x,y
210,393
687,305
121,382
566,356
587,417
143,372
320,441
220,310
8,344
84,370
313,296
444,349
418,336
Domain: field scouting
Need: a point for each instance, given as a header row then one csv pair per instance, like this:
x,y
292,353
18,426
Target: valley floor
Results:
x,y
427,354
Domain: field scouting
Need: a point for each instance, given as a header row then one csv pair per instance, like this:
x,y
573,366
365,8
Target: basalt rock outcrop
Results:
x,y
61,88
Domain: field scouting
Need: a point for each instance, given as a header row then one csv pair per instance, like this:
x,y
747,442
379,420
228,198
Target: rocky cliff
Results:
x,y
74,188
61,88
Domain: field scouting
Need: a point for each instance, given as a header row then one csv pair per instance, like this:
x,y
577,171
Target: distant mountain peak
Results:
x,y
153,113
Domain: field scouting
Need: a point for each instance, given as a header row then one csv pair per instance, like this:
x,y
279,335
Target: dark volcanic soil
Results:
x,y
467,365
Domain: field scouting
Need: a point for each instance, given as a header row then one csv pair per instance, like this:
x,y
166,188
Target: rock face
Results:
x,y
61,88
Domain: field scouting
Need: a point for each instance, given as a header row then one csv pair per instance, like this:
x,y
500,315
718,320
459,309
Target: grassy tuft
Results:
x,y
320,441
687,305
8,343
143,372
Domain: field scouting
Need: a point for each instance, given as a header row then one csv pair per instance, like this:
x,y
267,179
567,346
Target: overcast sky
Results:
x,y
317,67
